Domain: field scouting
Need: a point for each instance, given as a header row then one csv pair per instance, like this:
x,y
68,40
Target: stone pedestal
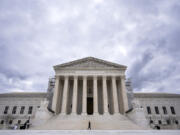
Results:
x,y
137,116
42,115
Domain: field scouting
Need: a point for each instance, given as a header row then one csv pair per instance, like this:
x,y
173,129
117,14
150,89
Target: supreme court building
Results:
x,y
94,92
91,90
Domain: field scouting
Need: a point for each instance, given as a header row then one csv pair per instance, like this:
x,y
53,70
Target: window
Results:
x,y
172,110
168,122
10,122
22,109
19,121
148,110
164,110
14,110
151,121
2,122
177,122
6,109
159,121
38,106
30,110
156,110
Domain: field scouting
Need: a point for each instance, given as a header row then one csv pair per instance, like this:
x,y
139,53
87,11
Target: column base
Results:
x,y
95,114
84,114
73,114
117,114
63,113
106,113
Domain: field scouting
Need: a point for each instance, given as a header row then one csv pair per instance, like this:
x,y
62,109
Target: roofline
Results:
x,y
24,94
86,58
156,95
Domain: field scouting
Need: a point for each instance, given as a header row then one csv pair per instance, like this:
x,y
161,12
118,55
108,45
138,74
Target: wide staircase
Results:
x,y
79,122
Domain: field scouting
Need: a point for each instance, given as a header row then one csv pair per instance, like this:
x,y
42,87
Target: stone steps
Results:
x,y
118,122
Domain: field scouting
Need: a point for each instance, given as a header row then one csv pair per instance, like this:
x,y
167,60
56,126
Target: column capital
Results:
x,y
123,77
75,76
113,77
66,76
57,76
95,77
84,77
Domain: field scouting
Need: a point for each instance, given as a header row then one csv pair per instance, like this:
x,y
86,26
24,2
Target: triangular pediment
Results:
x,y
90,63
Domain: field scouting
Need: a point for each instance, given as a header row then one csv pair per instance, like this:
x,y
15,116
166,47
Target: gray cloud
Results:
x,y
35,35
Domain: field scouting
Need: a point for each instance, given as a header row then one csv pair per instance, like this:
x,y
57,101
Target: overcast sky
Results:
x,y
142,34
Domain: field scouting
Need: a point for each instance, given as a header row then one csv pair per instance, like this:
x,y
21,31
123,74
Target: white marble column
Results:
x,y
75,92
124,98
114,94
65,95
95,95
105,97
84,101
56,95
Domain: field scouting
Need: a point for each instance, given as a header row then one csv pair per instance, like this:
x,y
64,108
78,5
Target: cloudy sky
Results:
x,y
142,34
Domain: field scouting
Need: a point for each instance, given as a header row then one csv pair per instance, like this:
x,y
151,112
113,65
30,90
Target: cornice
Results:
x,y
107,64
156,95
24,95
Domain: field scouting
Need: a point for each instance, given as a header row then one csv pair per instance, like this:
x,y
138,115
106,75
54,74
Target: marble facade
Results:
x,y
89,86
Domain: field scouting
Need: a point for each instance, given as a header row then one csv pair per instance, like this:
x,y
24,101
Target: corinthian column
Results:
x,y
105,98
95,96
65,95
74,103
114,94
84,102
56,95
124,95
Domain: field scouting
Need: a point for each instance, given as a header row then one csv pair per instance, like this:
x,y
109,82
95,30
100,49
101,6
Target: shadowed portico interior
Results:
x,y
94,89
89,105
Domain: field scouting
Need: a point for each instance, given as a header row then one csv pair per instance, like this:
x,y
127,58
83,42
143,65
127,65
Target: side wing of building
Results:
x,y
161,109
17,108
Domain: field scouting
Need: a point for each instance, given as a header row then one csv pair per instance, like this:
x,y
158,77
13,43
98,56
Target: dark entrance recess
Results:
x,y
89,105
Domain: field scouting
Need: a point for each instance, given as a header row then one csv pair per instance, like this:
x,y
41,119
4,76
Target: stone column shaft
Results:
x,y
105,97
65,95
84,102
95,95
75,92
124,98
56,95
114,94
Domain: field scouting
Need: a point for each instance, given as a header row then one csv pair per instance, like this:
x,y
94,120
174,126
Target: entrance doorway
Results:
x,y
89,105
